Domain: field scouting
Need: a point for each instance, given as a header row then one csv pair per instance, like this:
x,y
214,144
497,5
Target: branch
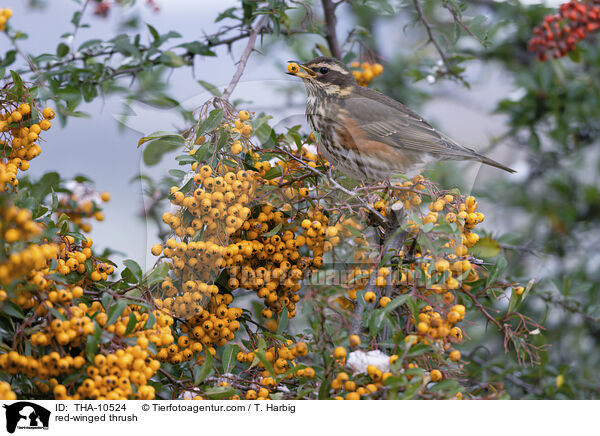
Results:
x,y
429,30
244,59
484,311
458,19
330,34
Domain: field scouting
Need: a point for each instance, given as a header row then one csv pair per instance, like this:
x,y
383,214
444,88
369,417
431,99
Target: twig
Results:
x,y
382,220
78,25
571,307
458,19
33,68
429,30
244,59
483,310
330,33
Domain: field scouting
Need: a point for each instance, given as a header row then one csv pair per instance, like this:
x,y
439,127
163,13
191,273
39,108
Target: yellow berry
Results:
x,y
384,301
48,113
236,148
354,340
45,124
442,265
370,297
156,249
339,353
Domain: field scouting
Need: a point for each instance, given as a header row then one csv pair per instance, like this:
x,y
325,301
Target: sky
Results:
x,y
98,149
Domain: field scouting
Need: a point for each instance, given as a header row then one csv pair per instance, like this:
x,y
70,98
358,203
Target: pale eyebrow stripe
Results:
x,y
335,68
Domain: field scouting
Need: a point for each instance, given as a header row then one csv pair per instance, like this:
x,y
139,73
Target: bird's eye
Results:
x,y
324,70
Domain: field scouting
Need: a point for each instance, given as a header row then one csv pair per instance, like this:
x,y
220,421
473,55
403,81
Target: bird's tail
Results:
x,y
469,153
493,163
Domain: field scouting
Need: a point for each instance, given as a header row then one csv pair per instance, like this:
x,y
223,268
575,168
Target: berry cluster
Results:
x,y
81,203
20,126
258,245
5,14
281,359
214,324
365,72
559,33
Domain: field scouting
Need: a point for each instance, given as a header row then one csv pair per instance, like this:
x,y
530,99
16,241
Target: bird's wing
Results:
x,y
386,120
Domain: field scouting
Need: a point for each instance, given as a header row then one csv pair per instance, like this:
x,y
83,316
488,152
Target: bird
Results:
x,y
366,134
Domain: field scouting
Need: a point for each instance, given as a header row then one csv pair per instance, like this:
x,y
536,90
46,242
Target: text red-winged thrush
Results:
x,y
366,134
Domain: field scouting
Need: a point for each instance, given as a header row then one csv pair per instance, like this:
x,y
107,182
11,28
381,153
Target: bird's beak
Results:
x,y
307,74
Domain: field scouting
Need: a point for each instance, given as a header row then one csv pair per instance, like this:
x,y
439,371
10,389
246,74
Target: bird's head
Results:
x,y
327,74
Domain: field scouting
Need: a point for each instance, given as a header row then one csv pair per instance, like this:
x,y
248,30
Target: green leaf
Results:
x,y
159,135
411,391
133,266
273,173
210,88
273,231
260,354
283,321
516,300
486,248
211,122
90,43
219,392
115,311
324,390
203,152
154,151
496,270
228,358
201,372
56,314
91,347
106,298
48,182
376,319
172,59
178,174
131,323
153,32
123,45
150,322
198,48
428,227
223,137
18,84
11,309
381,7
62,49
450,386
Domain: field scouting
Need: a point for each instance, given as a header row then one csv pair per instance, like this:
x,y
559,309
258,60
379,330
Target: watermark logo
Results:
x,y
24,415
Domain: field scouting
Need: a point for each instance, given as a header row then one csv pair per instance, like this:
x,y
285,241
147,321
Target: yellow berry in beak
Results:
x,y
293,68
